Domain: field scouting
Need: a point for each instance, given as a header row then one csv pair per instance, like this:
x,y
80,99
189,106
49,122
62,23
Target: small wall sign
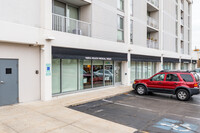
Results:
x,y
48,69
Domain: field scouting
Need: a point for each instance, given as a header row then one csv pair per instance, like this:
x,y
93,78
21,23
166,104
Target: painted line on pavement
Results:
x,y
163,100
131,106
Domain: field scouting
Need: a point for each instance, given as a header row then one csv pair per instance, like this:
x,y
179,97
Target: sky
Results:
x,y
196,24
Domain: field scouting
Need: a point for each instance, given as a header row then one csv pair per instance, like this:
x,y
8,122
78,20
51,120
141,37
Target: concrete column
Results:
x,y
126,70
46,14
179,64
161,63
161,25
46,73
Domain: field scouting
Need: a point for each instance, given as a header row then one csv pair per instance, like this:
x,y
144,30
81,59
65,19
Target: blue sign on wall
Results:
x,y
176,126
48,69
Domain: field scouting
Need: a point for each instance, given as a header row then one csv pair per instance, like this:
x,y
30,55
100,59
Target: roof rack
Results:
x,y
177,71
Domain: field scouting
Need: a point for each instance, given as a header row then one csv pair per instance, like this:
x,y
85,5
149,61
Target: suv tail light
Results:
x,y
196,85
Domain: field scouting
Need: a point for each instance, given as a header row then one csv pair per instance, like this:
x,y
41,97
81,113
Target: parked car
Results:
x,y
183,84
197,70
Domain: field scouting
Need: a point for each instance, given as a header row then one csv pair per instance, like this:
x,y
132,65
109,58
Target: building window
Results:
x,y
176,29
188,48
182,48
176,45
120,28
131,7
176,12
131,31
142,70
120,5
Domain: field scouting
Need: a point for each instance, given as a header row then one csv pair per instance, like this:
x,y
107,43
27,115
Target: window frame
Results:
x,y
151,79
119,17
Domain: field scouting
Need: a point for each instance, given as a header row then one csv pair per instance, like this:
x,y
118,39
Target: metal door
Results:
x,y
8,81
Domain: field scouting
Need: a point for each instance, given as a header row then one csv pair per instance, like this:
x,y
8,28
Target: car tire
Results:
x,y
183,95
140,90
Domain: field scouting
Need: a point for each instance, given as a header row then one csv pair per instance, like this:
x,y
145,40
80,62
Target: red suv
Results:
x,y
183,84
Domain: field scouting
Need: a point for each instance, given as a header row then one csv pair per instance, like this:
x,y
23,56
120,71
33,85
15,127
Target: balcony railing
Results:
x,y
69,25
154,2
152,44
152,22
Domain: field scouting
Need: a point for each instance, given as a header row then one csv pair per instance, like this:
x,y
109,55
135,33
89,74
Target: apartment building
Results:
x,y
50,48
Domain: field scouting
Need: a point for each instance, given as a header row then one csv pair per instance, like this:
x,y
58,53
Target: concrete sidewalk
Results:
x,y
54,117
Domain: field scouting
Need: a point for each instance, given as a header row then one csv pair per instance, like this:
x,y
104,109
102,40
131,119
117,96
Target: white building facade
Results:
x,y
52,47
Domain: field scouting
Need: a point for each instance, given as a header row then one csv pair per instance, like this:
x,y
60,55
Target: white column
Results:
x,y
161,63
46,72
179,64
46,54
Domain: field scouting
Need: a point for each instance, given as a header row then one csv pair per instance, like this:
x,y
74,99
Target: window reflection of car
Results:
x,y
108,74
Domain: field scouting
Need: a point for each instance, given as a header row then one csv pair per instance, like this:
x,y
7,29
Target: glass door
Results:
x,y
117,71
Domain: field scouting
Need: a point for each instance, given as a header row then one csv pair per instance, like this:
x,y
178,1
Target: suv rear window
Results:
x,y
187,77
196,77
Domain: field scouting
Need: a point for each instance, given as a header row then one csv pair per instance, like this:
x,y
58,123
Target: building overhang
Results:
x,y
77,2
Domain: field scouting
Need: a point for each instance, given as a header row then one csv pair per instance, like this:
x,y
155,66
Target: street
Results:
x,y
155,113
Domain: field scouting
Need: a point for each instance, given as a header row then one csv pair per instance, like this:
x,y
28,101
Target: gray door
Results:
x,y
8,81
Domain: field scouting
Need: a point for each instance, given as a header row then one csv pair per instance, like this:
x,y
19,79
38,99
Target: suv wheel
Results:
x,y
141,90
182,95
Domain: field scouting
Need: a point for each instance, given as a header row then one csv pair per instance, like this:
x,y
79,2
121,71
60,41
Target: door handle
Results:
x,y
175,83
159,83
1,82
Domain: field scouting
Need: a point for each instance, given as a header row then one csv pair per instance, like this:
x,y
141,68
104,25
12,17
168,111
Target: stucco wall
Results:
x,y
28,62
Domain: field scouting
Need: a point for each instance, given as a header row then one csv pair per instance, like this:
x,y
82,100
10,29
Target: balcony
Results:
x,y
69,25
152,5
152,24
152,44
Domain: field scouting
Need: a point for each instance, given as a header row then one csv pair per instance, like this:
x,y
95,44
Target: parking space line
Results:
x,y
131,106
162,100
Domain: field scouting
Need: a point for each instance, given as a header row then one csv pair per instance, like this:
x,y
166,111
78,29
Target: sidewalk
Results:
x,y
54,117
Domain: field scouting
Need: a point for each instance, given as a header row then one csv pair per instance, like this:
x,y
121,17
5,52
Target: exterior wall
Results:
x,y
26,12
28,61
140,23
104,19
169,25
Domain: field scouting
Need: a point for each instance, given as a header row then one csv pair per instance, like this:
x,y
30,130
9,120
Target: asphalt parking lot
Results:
x,y
155,113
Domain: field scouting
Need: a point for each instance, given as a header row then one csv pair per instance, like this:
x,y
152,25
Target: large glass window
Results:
x,y
120,28
142,70
117,72
97,73
55,76
120,5
108,72
184,66
69,75
85,74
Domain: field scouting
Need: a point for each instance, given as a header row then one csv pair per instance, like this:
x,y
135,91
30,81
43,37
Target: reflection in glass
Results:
x,y
55,76
133,72
97,73
85,74
69,75
118,72
108,73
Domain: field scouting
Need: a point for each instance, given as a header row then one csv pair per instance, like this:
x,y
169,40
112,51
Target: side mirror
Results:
x,y
151,79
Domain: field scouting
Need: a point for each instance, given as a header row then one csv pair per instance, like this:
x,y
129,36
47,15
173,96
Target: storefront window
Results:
x,y
85,74
55,76
69,75
117,72
97,73
184,66
142,70
108,73
133,72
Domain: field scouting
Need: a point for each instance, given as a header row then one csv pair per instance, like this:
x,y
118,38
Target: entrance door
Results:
x,y
8,82
117,68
